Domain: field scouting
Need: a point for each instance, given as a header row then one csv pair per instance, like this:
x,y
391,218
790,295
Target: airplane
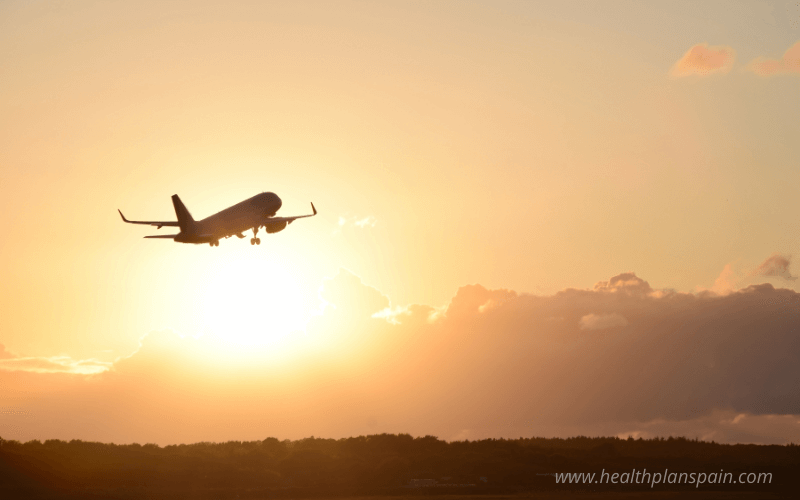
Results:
x,y
253,213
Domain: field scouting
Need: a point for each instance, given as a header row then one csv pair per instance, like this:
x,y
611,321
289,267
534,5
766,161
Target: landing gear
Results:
x,y
255,241
213,243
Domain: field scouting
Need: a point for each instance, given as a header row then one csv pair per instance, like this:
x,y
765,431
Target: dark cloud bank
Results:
x,y
620,359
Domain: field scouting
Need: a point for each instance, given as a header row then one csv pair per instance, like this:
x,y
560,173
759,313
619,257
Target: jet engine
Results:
x,y
275,227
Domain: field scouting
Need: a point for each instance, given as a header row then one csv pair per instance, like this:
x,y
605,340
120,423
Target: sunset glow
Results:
x,y
549,218
249,302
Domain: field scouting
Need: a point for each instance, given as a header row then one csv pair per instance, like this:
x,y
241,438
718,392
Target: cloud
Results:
x,y
727,282
722,426
724,284
627,283
369,221
494,363
789,63
346,291
475,298
602,321
158,351
703,60
776,265
51,364
405,314
359,222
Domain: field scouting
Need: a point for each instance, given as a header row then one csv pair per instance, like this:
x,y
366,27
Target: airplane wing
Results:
x,y
195,237
158,224
278,220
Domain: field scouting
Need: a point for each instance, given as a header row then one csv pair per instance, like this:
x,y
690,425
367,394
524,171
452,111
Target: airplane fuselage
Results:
x,y
246,215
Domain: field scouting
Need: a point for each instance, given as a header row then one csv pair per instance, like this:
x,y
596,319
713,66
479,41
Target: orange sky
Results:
x,y
523,146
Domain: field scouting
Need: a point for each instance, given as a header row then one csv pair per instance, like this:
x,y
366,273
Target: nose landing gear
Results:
x,y
255,240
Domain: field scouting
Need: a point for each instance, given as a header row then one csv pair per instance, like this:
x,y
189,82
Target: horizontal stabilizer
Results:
x,y
170,236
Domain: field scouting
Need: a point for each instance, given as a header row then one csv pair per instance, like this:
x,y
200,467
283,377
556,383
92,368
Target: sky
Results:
x,y
506,191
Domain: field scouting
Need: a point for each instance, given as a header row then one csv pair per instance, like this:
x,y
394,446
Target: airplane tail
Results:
x,y
185,220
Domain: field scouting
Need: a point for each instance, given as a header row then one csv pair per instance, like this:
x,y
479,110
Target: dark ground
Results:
x,y
386,466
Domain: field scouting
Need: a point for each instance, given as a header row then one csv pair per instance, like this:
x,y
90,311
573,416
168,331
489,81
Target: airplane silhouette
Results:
x,y
254,213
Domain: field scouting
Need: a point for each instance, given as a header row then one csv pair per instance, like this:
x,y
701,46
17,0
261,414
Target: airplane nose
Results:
x,y
277,200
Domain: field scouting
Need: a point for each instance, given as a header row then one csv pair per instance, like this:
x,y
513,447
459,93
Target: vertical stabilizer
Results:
x,y
185,220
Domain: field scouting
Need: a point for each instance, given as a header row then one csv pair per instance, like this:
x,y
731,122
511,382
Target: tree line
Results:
x,y
383,464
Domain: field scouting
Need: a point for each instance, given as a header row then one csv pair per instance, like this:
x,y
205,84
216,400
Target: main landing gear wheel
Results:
x,y
213,243
255,241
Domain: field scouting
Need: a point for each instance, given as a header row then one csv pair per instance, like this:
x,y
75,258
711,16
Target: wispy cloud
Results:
x,y
356,221
776,265
55,364
789,63
366,222
703,60
362,222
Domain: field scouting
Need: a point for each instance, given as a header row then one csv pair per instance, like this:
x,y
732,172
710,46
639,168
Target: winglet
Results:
x,y
312,208
123,217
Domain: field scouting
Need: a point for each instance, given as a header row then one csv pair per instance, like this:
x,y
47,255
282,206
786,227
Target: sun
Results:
x,y
252,301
